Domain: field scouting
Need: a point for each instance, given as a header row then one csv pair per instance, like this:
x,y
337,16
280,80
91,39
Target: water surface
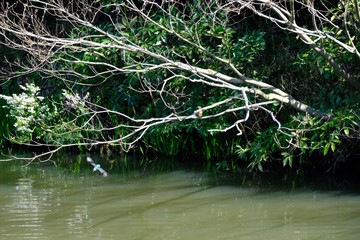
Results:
x,y
44,203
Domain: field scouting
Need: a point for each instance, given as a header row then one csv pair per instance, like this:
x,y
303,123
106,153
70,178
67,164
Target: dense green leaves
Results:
x,y
85,81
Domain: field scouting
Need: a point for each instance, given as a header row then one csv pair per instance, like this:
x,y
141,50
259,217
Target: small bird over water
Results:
x,y
96,166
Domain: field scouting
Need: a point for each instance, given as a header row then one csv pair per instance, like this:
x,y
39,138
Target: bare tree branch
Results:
x,y
282,15
47,50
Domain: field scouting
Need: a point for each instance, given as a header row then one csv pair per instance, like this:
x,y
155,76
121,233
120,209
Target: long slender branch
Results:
x,y
52,50
118,43
285,20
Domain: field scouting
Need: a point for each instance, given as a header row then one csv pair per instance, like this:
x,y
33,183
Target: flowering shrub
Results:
x,y
27,109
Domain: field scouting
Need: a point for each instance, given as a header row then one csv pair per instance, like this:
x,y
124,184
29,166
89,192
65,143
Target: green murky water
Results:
x,y
47,204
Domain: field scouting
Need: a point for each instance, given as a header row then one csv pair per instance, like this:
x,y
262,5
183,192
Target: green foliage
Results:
x,y
304,137
341,10
247,48
260,150
27,110
191,142
344,31
118,92
37,121
198,39
4,124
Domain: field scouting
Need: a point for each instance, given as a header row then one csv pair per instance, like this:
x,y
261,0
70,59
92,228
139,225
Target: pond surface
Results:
x,y
44,203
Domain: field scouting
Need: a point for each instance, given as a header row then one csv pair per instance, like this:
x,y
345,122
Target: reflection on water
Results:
x,y
26,208
178,205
